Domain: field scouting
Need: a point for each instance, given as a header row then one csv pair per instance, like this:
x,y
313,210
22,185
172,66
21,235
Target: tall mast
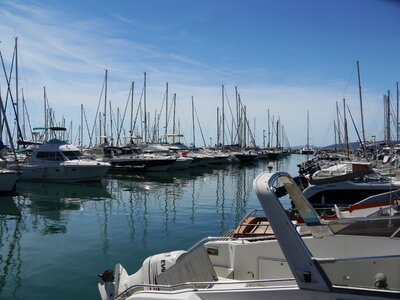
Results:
x,y
194,135
111,125
308,131
145,111
269,131
16,82
218,126
244,126
105,108
45,111
346,137
361,104
23,114
166,110
237,116
223,115
131,126
334,131
81,131
397,121
388,119
173,124
277,134
338,124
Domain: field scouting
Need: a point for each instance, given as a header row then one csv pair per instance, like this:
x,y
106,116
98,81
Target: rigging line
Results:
x,y
27,114
394,114
348,82
123,117
97,111
159,114
137,111
8,80
170,111
230,109
355,127
201,131
86,122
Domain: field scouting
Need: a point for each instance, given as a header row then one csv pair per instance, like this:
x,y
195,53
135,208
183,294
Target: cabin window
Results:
x,y
71,155
54,156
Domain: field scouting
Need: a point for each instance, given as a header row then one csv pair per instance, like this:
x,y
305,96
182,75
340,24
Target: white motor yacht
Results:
x,y
59,161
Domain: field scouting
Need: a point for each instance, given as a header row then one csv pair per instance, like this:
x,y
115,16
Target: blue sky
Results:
x,y
286,56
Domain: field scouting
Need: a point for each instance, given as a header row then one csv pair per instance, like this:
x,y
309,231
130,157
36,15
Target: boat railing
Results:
x,y
194,286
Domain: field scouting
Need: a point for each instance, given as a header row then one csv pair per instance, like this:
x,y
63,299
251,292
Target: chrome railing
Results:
x,y
194,286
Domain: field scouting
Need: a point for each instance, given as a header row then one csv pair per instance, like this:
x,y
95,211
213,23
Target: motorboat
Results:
x,y
133,159
352,258
246,156
8,181
382,204
345,184
59,161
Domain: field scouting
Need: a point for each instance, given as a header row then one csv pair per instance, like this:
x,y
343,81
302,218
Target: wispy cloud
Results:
x,y
69,56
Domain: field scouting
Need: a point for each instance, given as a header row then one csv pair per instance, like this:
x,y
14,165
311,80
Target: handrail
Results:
x,y
333,260
195,285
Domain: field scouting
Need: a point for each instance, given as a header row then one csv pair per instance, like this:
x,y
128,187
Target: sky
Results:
x,y
284,57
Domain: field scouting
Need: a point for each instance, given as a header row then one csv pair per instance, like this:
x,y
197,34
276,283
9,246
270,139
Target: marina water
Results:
x,y
56,238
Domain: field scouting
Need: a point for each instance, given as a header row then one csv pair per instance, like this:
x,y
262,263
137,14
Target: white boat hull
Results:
x,y
64,172
8,181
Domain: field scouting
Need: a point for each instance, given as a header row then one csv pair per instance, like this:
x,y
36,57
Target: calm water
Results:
x,y
55,239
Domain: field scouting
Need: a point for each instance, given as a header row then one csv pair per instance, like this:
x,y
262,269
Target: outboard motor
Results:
x,y
119,281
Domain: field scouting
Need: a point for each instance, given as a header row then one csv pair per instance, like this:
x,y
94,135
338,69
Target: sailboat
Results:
x,y
307,150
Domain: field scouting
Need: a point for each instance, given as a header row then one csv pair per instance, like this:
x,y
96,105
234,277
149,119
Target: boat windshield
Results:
x,y
50,155
72,155
380,226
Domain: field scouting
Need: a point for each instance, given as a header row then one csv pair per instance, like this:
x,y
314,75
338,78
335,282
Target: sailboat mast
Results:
x,y
237,116
269,130
16,83
346,137
194,135
338,125
166,111
397,121
105,108
223,116
361,104
81,131
388,120
131,126
145,110
308,129
173,124
45,111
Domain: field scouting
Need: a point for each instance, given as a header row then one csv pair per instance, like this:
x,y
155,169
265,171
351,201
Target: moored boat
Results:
x,y
59,161
345,259
8,181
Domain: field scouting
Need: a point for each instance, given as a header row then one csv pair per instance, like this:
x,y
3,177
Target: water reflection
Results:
x,y
124,219
8,207
10,248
